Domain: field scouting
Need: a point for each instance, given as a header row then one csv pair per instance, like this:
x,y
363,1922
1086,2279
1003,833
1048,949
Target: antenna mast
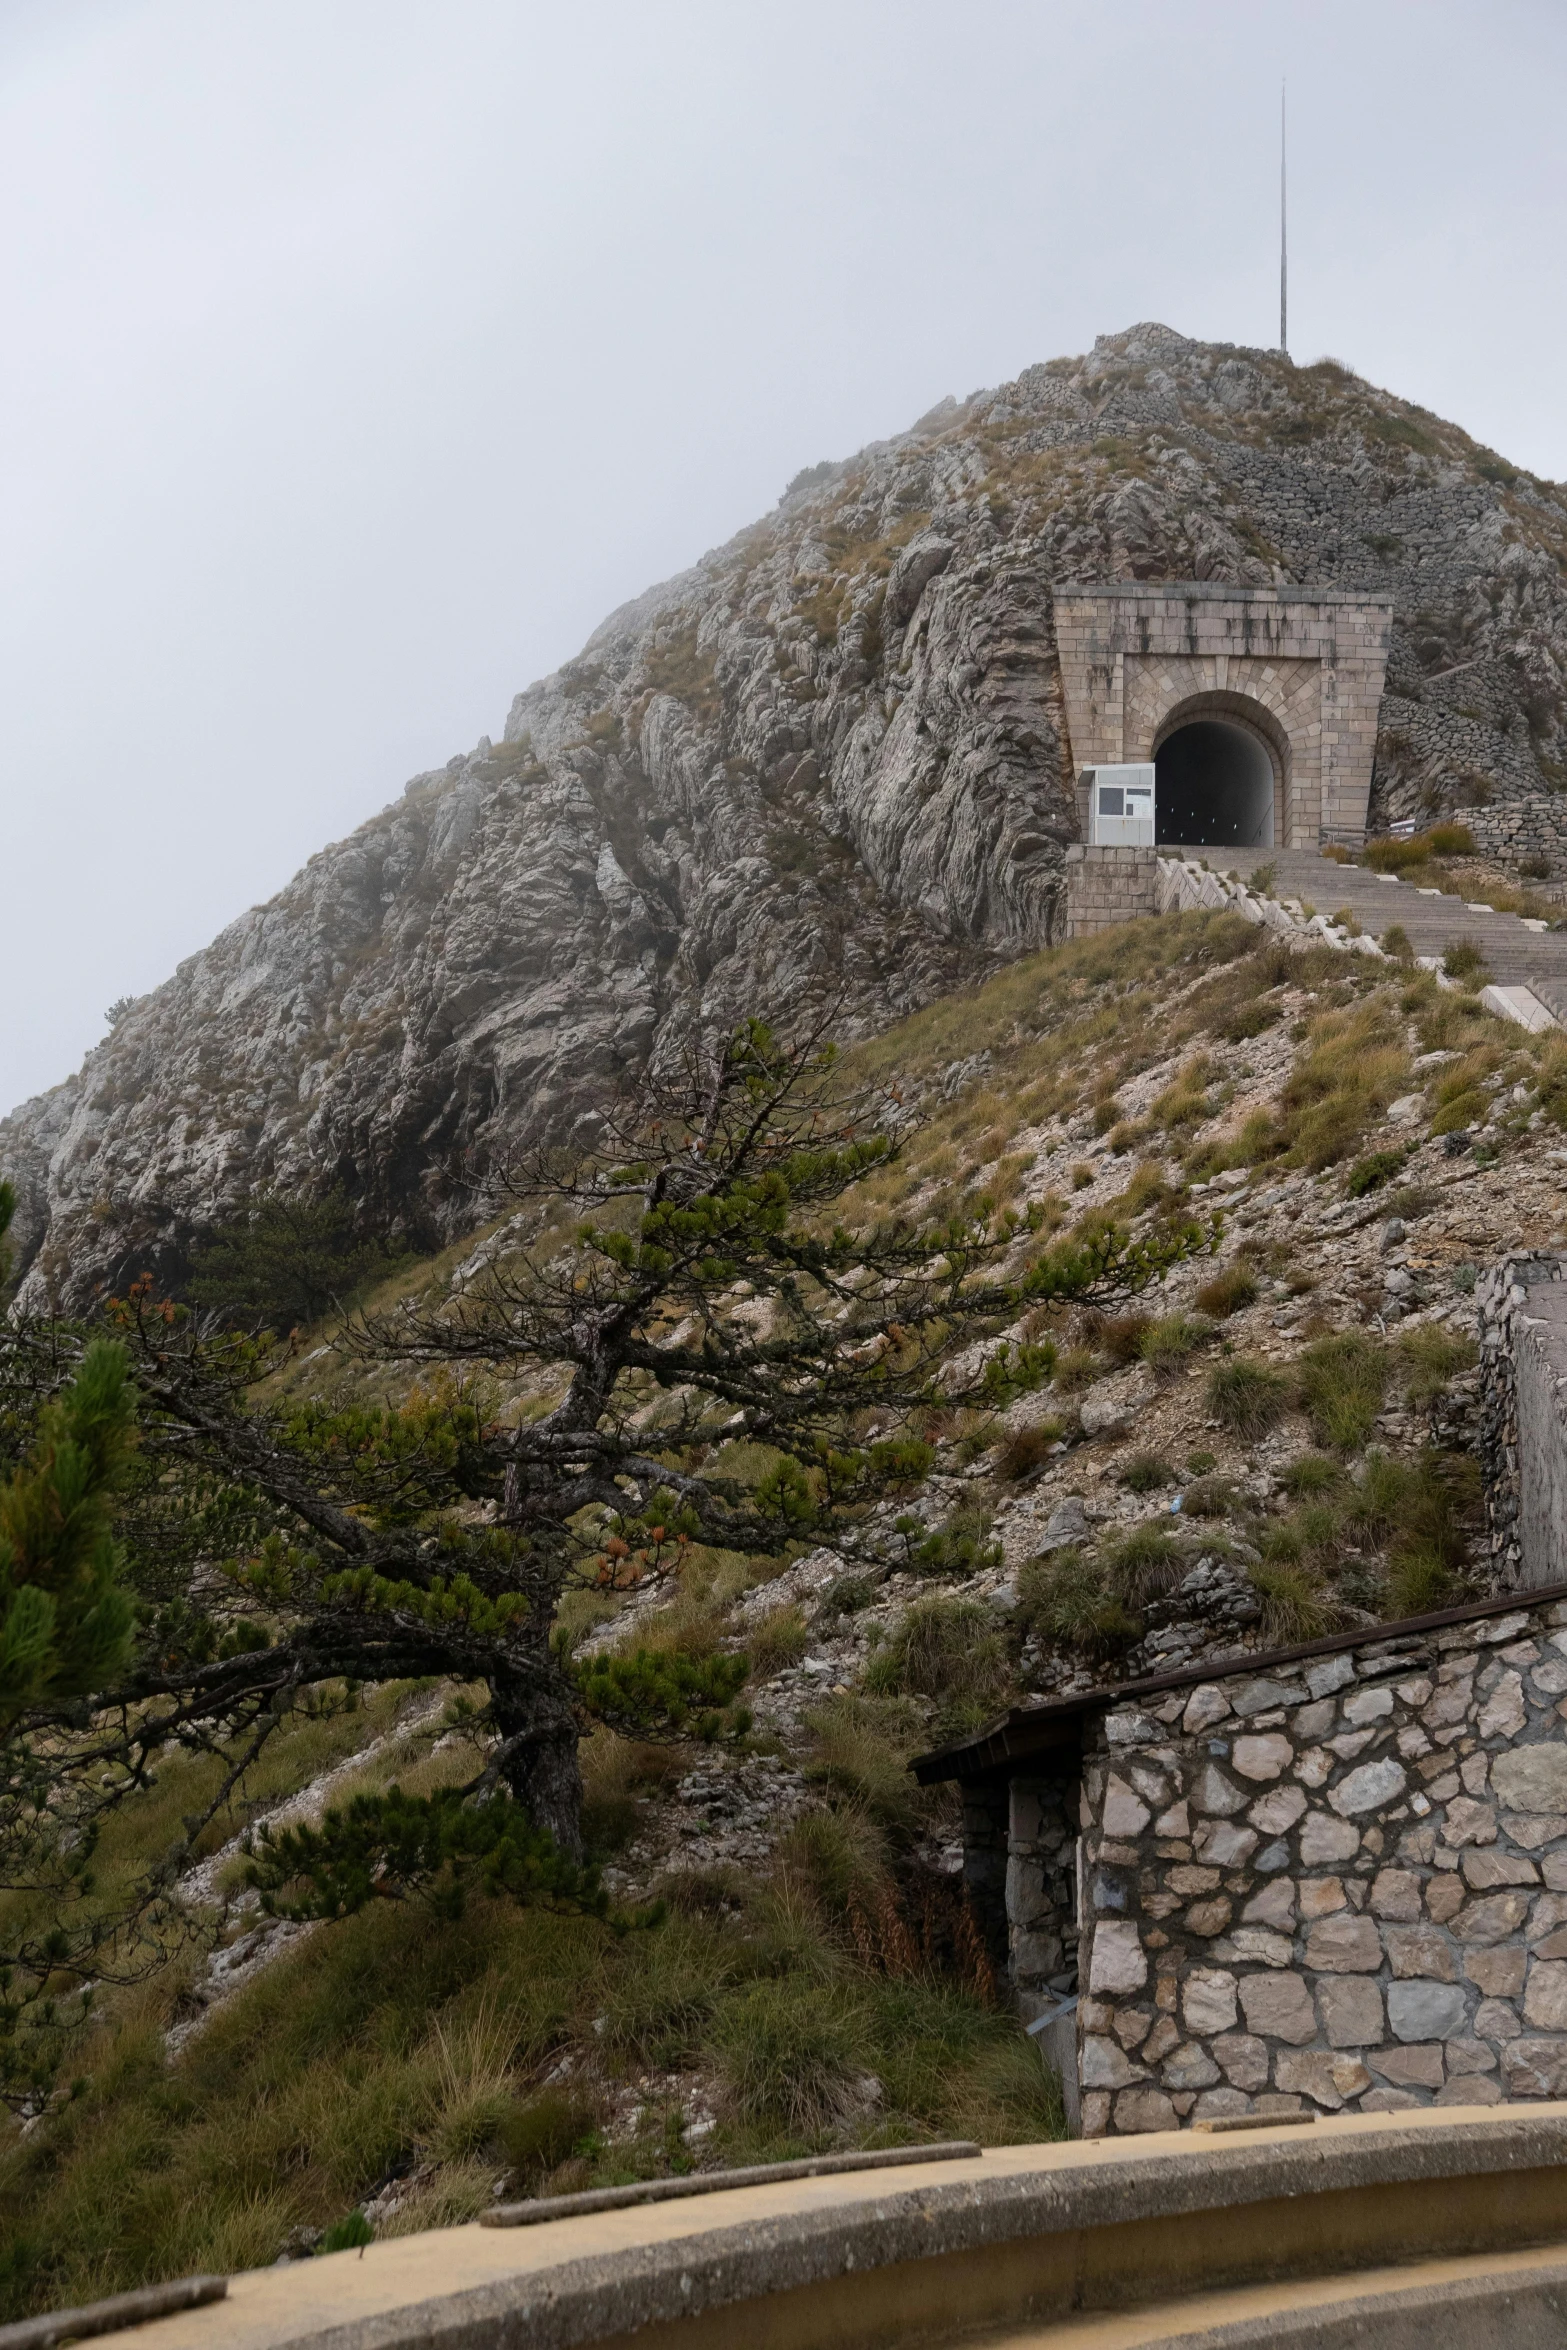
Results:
x,y
1284,264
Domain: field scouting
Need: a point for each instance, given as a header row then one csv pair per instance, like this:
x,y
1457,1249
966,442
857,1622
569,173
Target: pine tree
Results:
x,y
66,1632
284,1260
685,1289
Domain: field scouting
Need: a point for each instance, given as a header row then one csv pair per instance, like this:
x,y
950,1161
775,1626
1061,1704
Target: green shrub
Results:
x,y
860,1749
1228,1292
539,2132
1314,1532
615,1772
959,1549
285,1260
1369,1173
1121,1336
346,2235
789,2052
1246,1396
948,1649
1343,1381
1249,1021
1463,1110
1311,1473
1431,1358
847,1594
1420,1582
1344,1079
839,1857
1294,1607
1173,1340
658,2010
902,1460
1415,1508
1464,959
1145,1473
1397,856
1396,942
1068,1602
1143,1564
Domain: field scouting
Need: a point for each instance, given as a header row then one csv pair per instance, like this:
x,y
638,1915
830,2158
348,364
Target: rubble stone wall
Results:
x,y
1530,824
1521,1313
1105,886
1042,1891
1341,1885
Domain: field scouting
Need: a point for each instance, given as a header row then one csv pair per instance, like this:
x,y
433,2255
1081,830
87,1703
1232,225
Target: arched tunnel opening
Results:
x,y
1215,786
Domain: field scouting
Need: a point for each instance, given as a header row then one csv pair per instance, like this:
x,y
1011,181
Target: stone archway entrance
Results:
x,y
1295,674
1222,777
1215,785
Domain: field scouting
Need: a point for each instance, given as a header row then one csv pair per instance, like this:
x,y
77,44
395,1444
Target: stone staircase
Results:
x,y
1520,954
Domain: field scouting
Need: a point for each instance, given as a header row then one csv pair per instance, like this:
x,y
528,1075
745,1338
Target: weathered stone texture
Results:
x,y
1521,1311
830,762
1406,1945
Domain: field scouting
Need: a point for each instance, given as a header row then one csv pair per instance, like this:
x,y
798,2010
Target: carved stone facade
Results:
x,y
1300,670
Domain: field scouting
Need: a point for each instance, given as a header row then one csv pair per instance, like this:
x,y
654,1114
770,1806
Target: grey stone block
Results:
x,y
1425,2011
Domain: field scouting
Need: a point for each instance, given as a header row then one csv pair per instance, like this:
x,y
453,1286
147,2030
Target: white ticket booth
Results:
x,y
1121,806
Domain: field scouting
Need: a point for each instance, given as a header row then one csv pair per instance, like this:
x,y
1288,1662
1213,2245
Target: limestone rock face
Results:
x,y
827,765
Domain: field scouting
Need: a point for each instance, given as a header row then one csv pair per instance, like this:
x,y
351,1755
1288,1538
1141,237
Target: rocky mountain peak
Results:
x,y
826,764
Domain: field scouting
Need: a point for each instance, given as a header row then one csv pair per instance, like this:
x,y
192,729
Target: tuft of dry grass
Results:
x,y
1026,1450
1343,1383
1294,1605
1247,1396
1228,1292
779,1640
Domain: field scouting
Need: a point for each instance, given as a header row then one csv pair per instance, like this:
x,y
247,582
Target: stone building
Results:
x,y
1257,706
1329,1877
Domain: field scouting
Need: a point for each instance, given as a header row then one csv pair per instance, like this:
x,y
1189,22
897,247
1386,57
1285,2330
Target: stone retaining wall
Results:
x,y
1531,825
1342,1885
1105,886
1521,1317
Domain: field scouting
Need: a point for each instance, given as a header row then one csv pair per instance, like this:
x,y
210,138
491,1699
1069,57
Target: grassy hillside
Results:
x,y
816,1981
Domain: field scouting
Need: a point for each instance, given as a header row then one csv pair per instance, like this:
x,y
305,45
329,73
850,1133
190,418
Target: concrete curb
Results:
x,y
1485,2313
1023,2232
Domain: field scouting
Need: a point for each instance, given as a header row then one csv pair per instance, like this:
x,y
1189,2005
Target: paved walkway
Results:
x,y
1518,953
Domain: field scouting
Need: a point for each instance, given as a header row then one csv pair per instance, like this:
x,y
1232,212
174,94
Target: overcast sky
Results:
x,y
359,355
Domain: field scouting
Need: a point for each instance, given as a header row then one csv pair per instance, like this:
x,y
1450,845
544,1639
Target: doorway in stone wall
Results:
x,y
1217,785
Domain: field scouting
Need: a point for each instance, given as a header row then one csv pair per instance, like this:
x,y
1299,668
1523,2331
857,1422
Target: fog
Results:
x,y
360,355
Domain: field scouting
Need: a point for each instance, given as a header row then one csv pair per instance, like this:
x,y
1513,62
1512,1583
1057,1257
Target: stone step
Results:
x,y
1517,953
